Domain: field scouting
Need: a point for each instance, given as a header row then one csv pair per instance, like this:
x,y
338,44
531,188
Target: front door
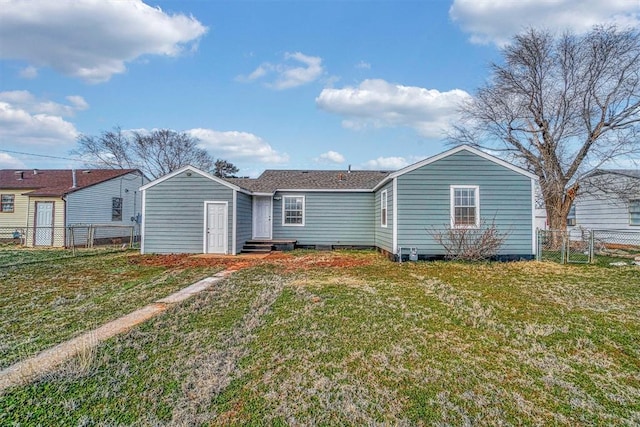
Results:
x,y
216,228
44,224
262,217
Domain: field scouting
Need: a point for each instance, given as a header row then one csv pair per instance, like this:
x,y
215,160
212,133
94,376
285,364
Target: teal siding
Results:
x,y
174,213
424,201
384,236
330,219
244,219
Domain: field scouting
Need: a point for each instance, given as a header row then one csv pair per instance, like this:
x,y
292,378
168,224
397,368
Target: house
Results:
x,y
608,200
38,205
191,211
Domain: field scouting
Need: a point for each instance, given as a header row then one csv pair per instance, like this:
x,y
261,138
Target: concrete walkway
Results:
x,y
29,369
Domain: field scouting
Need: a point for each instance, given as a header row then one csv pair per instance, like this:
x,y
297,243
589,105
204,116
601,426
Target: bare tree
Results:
x,y
224,169
156,153
561,107
112,149
163,151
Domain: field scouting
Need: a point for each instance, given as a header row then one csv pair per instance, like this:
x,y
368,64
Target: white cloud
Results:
x,y
9,162
288,74
29,72
378,103
27,101
26,120
363,65
234,145
496,21
331,156
391,163
91,39
386,163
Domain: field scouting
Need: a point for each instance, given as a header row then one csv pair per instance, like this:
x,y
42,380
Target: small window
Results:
x,y
634,212
571,218
116,209
465,206
7,202
293,210
383,208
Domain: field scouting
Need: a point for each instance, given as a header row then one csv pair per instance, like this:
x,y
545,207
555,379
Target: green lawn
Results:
x,y
361,340
48,300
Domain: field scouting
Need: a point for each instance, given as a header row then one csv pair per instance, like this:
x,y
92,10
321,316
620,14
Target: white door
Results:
x,y
216,228
262,217
44,224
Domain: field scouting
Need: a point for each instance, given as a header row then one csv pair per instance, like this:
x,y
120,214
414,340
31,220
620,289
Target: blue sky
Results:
x,y
263,84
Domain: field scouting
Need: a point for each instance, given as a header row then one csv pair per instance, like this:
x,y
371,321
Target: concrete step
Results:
x,y
255,250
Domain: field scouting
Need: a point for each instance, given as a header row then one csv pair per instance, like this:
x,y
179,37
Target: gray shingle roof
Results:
x,y
55,182
635,173
272,180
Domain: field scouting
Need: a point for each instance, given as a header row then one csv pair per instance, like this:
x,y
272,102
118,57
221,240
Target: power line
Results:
x,y
41,155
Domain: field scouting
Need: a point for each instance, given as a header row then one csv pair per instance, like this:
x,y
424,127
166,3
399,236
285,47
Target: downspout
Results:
x,y
234,223
395,216
64,220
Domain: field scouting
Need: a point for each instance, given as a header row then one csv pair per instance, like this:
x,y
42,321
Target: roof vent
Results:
x,y
19,175
35,171
86,171
349,170
341,176
305,171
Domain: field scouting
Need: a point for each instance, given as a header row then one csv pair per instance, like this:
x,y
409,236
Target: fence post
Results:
x,y
592,252
73,241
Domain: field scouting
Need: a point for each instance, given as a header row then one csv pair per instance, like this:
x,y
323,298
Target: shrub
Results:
x,y
470,243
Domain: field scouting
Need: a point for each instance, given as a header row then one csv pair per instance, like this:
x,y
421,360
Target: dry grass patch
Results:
x,y
43,304
371,343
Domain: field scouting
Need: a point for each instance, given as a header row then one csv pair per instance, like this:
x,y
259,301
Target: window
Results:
x,y
465,206
571,218
7,202
116,209
383,208
293,210
634,212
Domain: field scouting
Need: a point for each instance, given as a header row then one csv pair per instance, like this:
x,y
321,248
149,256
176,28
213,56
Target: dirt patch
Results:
x,y
291,262
288,261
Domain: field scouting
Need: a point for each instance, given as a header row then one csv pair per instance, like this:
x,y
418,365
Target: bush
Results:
x,y
470,243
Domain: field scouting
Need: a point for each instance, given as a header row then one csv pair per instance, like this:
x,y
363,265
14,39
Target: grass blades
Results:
x,y
367,342
45,303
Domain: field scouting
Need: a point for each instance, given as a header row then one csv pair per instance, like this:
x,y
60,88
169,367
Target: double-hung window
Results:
x,y
7,203
383,208
116,209
465,206
293,210
634,212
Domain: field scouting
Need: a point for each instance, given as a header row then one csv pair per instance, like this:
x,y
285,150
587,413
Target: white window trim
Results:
x,y
632,224
384,202
304,210
452,190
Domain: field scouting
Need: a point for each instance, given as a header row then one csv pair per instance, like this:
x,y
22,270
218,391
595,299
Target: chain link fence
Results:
x,y
72,237
581,246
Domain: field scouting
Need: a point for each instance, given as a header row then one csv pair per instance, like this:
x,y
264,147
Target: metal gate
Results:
x,y
565,246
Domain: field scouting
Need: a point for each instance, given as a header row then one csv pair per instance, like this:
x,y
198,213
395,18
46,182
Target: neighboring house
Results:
x,y
39,204
608,200
190,211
